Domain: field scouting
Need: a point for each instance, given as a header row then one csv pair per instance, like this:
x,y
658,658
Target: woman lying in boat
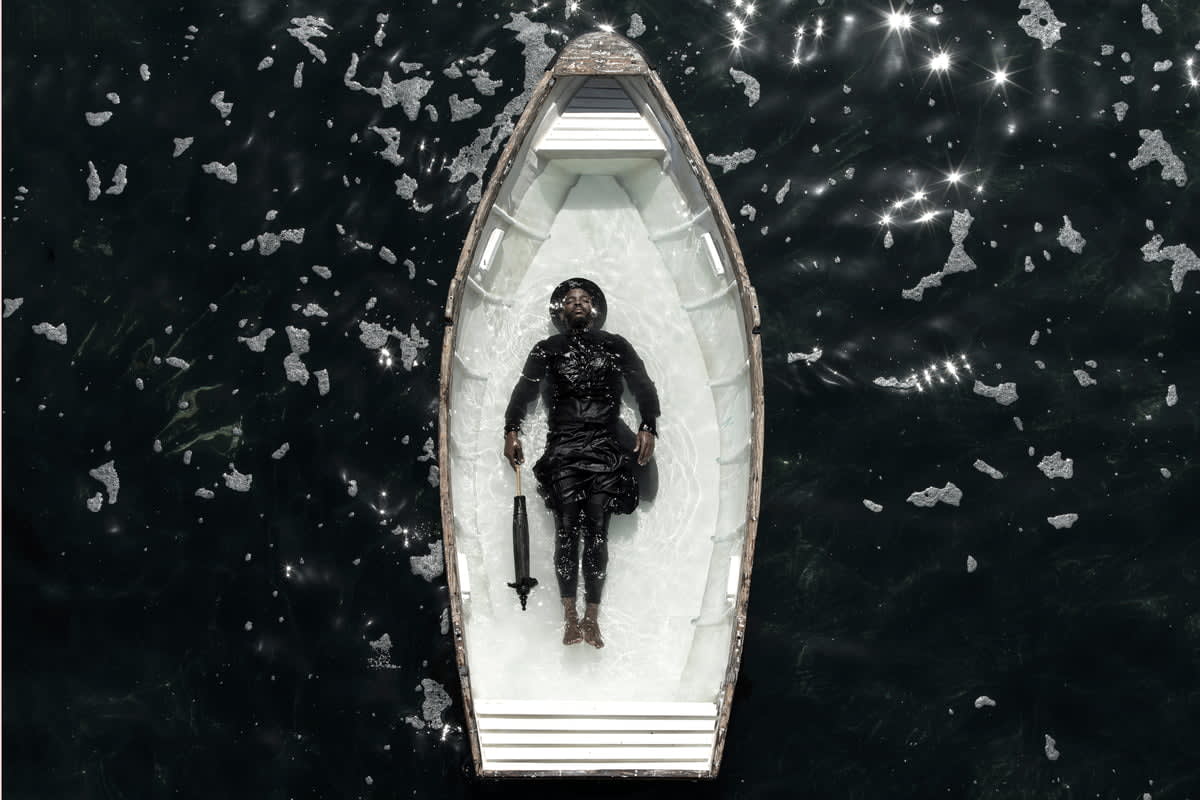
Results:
x,y
584,475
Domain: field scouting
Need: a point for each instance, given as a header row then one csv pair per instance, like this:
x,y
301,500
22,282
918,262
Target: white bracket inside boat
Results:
x,y
714,257
712,298
686,225
464,581
521,226
489,250
735,572
489,296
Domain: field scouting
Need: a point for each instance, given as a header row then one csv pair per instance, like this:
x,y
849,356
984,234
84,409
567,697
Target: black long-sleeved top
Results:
x,y
584,369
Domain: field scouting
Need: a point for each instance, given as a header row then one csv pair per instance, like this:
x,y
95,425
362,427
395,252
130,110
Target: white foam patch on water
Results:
x,y
484,84
1063,520
463,109
1172,395
407,93
1055,466
749,84
473,158
205,494
119,180
783,190
55,333
11,304
1150,19
972,564
266,63
1183,259
431,565
181,145
749,211
97,118
93,182
236,480
1084,378
931,496
391,137
178,363
406,187
281,451
298,75
308,28
218,101
95,502
983,701
382,19
988,469
957,261
872,505
807,358
1005,394
258,343
227,173
387,255
1040,23
733,160
1070,238
911,382
144,71
106,473
636,26
1154,148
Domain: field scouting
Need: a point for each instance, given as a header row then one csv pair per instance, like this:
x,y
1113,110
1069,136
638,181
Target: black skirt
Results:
x,y
582,460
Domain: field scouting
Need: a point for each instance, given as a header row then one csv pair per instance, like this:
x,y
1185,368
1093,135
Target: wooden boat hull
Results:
x,y
601,179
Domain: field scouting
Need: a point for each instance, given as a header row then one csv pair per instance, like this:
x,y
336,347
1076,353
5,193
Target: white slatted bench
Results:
x,y
568,737
601,119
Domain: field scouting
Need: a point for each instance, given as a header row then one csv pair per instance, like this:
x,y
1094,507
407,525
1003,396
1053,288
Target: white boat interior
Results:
x,y
601,189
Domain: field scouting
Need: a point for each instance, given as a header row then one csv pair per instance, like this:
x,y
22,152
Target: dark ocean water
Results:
x,y
168,645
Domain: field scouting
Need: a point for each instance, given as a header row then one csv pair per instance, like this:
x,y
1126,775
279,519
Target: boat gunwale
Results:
x,y
572,61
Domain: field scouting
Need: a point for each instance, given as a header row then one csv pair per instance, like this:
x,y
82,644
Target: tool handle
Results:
x,y
517,469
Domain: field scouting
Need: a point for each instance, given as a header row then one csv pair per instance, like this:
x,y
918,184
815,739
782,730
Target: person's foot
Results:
x,y
589,627
571,632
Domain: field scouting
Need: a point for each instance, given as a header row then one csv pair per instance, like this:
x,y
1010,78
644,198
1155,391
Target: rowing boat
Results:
x,y
601,179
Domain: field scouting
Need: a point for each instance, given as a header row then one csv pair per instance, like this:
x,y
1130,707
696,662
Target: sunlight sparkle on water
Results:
x,y
1000,77
940,62
899,20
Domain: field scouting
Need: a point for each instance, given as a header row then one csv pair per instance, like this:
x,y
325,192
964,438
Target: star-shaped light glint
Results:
x,y
1000,77
898,21
940,62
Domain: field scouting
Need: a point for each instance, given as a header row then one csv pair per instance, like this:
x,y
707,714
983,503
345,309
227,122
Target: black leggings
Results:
x,y
586,519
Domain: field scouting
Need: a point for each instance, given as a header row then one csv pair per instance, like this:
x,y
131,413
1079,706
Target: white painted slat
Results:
x,y
584,103
593,738
490,723
581,754
589,708
592,147
613,123
592,766
606,135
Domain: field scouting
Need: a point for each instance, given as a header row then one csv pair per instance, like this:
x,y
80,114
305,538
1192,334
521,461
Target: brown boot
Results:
x,y
589,627
571,634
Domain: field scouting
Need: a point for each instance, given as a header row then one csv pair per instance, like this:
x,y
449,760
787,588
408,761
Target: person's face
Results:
x,y
577,308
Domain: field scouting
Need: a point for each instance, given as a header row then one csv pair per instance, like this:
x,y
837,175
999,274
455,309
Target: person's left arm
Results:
x,y
646,395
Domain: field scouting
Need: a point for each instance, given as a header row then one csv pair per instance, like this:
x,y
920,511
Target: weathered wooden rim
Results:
x,y
569,61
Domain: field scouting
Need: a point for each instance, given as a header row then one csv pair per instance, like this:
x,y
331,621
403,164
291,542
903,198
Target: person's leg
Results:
x,y
595,565
568,528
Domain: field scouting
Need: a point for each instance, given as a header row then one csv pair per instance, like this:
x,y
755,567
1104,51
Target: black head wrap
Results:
x,y
599,304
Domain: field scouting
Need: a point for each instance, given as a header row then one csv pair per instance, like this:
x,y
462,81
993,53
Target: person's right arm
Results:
x,y
518,403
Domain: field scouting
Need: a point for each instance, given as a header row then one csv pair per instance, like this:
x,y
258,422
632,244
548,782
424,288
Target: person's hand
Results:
x,y
513,450
644,448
